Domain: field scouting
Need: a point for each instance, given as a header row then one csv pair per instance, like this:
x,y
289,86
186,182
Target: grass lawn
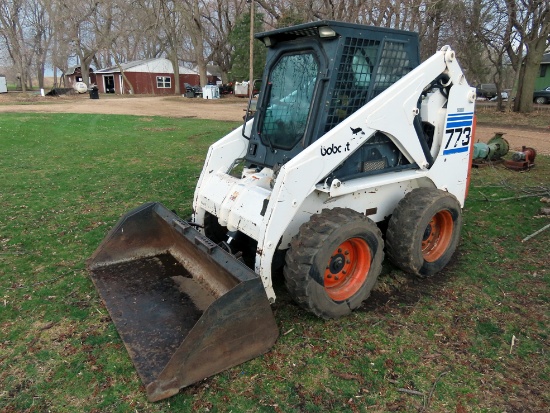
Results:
x,y
539,118
474,338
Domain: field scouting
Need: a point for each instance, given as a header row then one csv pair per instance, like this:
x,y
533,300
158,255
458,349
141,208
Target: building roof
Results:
x,y
155,65
208,72
214,70
71,70
76,69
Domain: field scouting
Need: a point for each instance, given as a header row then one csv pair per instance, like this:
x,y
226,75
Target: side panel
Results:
x,y
377,201
451,167
221,156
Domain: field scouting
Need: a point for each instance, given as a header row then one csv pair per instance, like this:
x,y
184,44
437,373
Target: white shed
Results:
x,y
3,84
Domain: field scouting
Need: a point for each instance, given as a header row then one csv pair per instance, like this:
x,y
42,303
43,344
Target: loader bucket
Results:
x,y
185,308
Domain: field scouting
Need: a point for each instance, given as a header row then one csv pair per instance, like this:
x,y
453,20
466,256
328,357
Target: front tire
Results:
x,y
333,262
424,231
541,100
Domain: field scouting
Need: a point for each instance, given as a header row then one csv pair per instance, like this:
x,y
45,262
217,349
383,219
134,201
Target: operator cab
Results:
x,y
305,94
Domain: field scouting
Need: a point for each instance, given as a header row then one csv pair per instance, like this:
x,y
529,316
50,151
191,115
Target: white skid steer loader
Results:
x,y
351,134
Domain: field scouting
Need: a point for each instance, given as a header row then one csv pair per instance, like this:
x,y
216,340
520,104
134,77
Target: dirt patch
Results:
x,y
517,137
228,108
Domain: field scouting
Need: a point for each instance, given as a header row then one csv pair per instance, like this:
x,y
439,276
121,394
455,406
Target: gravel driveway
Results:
x,y
228,108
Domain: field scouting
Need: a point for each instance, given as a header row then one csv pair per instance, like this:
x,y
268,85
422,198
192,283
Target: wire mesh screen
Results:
x,y
369,166
394,64
358,68
352,83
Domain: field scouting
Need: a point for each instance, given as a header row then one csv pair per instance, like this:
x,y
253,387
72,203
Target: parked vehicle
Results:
x,y
542,96
486,90
197,90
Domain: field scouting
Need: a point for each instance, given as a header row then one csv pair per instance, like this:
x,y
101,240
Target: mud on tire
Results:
x,y
333,262
424,231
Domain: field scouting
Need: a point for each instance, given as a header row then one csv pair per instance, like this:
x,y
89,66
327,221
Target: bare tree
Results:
x,y
487,26
107,32
137,31
220,18
41,32
87,26
530,19
193,12
466,37
12,30
170,24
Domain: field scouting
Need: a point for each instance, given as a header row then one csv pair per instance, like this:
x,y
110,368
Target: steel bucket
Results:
x,y
184,308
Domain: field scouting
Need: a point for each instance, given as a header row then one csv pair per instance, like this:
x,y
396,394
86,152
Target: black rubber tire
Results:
x,y
310,251
541,100
409,225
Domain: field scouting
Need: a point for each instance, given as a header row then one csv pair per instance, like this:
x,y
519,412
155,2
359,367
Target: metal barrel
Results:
x,y
184,308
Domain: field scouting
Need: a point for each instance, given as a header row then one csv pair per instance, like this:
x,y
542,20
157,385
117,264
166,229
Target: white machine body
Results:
x,y
270,207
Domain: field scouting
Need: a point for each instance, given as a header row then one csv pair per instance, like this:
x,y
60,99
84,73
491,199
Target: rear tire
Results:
x,y
541,100
333,262
424,231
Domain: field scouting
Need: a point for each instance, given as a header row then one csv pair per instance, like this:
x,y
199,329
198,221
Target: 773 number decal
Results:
x,y
458,133
458,140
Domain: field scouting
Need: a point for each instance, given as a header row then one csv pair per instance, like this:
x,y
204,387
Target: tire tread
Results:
x,y
404,224
304,246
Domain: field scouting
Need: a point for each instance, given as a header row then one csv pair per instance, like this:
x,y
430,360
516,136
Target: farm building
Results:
x,y
543,79
74,75
151,76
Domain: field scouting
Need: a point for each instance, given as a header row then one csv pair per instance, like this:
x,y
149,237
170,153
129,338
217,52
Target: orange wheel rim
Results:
x,y
347,269
437,236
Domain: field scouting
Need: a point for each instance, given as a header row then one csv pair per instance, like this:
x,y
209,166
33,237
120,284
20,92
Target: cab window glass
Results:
x,y
290,92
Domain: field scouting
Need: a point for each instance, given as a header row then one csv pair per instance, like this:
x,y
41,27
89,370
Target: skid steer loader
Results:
x,y
351,134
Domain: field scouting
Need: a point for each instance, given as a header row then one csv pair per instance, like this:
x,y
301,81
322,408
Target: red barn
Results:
x,y
151,76
74,75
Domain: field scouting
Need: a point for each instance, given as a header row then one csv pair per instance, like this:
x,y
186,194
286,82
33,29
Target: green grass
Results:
x,y
539,118
66,179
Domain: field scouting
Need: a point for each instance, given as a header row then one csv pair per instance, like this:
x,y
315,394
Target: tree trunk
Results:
x,y
528,74
197,39
85,71
225,77
117,62
531,21
176,67
29,77
40,75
